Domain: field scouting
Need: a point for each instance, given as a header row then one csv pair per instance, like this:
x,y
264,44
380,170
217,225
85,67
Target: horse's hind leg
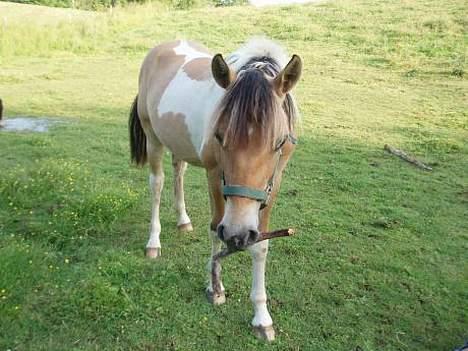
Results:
x,y
156,180
183,220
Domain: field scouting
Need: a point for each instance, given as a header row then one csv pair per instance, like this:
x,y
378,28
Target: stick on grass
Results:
x,y
404,156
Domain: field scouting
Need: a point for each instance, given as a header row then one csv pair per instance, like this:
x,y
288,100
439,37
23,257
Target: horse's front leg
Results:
x,y
217,211
262,322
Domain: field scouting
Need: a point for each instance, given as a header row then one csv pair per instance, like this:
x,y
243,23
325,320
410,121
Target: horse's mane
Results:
x,y
251,102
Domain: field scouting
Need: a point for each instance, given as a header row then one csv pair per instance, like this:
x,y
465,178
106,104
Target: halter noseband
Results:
x,y
263,196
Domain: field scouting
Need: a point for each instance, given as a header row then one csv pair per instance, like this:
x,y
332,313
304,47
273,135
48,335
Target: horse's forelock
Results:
x,y
251,102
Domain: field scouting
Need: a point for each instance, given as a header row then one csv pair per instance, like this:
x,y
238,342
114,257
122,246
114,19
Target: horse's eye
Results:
x,y
219,137
280,143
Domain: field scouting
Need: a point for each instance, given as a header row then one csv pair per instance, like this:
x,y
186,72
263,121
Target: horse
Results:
x,y
235,118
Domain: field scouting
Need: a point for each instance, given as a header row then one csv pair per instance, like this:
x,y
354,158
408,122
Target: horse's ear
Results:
x,y
289,76
222,74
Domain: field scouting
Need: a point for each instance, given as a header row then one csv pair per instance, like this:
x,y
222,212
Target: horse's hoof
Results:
x,y
186,227
215,299
264,333
153,252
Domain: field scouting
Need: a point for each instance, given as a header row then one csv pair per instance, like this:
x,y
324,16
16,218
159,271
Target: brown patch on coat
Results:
x,y
199,47
199,69
173,127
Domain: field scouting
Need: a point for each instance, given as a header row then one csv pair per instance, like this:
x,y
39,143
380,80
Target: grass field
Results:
x,y
380,259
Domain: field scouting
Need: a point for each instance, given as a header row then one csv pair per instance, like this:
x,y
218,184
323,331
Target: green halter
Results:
x,y
255,194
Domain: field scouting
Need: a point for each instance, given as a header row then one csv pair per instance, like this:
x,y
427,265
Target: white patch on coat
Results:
x,y
197,108
189,52
196,100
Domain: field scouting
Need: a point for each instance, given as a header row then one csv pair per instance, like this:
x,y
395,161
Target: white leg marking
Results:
x,y
156,185
183,221
156,180
258,295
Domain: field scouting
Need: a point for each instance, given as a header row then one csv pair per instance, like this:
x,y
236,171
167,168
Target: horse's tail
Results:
x,y
1,109
137,136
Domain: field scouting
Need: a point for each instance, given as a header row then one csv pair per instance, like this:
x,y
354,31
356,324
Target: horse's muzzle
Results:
x,y
238,240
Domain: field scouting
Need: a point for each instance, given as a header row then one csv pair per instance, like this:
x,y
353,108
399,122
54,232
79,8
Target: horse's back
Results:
x,y
178,95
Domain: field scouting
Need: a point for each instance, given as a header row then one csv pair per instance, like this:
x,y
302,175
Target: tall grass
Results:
x,y
74,37
83,32
77,33
412,39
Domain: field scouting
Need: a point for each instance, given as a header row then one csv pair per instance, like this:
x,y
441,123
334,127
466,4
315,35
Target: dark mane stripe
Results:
x,y
251,101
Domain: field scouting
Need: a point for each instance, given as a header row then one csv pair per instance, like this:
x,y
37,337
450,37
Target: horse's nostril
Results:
x,y
221,232
253,236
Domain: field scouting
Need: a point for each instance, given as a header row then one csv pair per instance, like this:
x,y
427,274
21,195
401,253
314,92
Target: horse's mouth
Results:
x,y
234,245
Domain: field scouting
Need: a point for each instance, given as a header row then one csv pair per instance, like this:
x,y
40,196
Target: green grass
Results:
x,y
379,262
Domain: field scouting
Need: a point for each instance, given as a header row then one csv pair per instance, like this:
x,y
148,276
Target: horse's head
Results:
x,y
253,129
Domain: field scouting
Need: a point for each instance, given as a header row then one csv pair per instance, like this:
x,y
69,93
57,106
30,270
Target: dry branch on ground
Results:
x,y
404,156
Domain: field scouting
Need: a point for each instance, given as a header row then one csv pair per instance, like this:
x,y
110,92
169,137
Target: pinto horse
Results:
x,y
236,119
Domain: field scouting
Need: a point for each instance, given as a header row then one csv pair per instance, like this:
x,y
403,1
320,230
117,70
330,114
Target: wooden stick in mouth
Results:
x,y
275,234
216,266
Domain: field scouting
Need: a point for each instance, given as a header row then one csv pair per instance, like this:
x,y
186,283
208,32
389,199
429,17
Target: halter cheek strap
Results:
x,y
255,194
